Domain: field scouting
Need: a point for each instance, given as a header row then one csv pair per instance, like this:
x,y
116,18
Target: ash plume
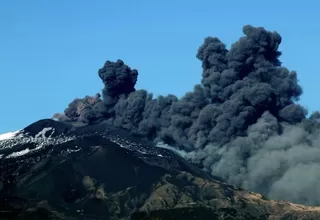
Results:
x,y
241,122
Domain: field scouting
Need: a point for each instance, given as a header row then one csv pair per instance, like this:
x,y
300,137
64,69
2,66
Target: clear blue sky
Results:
x,y
50,51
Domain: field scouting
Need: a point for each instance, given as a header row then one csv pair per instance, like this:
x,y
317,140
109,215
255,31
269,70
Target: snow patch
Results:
x,y
9,135
41,140
181,153
43,132
143,152
23,152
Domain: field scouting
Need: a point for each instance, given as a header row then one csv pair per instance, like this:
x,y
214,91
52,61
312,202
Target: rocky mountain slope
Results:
x,y
55,170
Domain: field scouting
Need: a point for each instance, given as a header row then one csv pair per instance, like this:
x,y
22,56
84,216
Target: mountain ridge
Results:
x,y
110,174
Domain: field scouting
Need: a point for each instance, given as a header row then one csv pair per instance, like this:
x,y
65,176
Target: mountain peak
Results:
x,y
96,171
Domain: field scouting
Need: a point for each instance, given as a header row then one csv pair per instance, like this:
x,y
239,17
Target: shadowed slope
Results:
x,y
91,173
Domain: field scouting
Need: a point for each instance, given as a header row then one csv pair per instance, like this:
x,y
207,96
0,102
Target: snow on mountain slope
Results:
x,y
9,135
47,133
26,141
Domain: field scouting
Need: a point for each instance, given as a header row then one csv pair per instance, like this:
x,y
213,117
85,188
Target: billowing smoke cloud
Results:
x,y
241,123
86,110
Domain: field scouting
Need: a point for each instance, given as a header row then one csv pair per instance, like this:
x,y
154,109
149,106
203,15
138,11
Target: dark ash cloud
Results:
x,y
241,122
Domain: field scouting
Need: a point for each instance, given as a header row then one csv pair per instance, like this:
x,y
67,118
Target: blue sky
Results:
x,y
50,51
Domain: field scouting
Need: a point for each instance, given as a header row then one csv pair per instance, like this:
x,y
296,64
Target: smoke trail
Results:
x,y
241,123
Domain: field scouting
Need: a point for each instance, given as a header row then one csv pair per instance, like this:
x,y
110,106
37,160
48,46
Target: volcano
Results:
x,y
237,146
59,170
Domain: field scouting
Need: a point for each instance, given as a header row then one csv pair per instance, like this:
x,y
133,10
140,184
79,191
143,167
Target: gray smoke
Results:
x,y
241,123
283,165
